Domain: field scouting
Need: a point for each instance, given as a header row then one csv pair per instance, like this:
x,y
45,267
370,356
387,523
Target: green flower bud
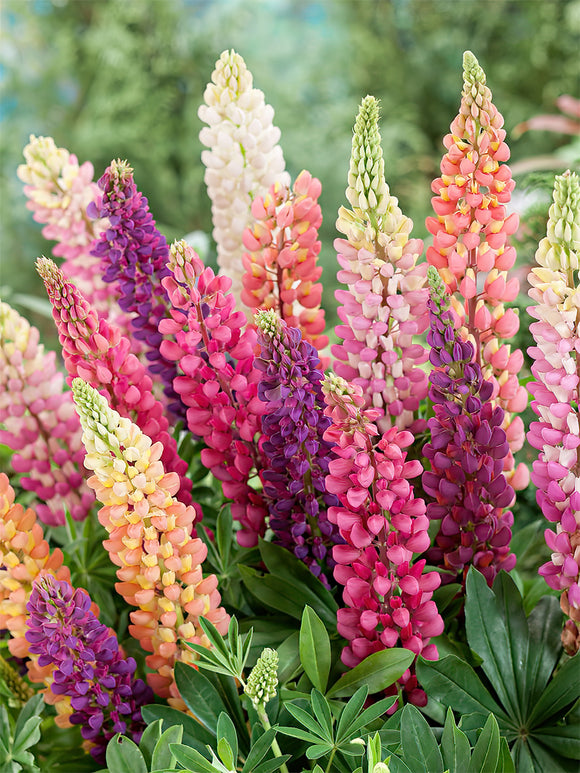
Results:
x,y
263,680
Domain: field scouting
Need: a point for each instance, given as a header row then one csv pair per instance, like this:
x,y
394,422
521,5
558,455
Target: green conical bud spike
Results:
x,y
98,419
437,288
268,322
14,682
263,680
565,212
472,71
367,189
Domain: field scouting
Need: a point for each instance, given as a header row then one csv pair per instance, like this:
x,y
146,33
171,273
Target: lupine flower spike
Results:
x,y
466,452
134,257
40,423
243,160
281,271
388,597
219,383
160,564
88,666
384,304
297,454
96,351
471,250
555,288
59,192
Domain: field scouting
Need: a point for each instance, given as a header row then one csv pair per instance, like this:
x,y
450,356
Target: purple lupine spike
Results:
x,y
134,255
467,451
88,666
298,455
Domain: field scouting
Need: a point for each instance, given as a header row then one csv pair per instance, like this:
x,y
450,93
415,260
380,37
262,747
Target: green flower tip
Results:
x,y
367,189
267,321
121,169
336,384
567,189
437,288
263,680
47,269
472,70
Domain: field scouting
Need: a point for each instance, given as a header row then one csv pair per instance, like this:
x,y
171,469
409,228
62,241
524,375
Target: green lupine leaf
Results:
x,y
485,753
562,691
226,730
271,765
194,733
396,765
226,753
228,692
33,706
296,732
563,739
420,749
367,716
548,761
151,735
123,756
288,657
351,711
306,719
199,695
322,713
259,750
507,763
378,671
315,653
28,735
163,758
214,636
318,750
455,747
273,591
192,759
224,533
544,624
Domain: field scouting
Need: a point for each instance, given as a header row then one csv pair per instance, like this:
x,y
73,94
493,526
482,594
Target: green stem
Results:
x,y
263,717
328,768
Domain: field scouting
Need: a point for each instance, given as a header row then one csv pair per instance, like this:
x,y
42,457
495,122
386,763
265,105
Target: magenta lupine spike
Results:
x,y
88,666
296,453
219,384
556,392
467,451
134,256
39,423
384,305
388,597
471,248
98,353
59,192
283,246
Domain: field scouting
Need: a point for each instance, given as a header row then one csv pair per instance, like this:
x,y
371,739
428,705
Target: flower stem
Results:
x,y
263,717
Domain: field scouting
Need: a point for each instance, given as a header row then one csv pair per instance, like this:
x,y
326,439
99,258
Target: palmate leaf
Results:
x,y
485,755
315,651
455,746
377,671
420,749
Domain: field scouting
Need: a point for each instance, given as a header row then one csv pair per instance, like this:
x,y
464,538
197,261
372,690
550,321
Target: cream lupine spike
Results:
x,y
385,304
243,159
160,565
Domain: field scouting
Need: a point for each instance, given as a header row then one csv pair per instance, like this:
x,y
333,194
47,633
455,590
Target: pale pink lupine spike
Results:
x,y
39,423
471,249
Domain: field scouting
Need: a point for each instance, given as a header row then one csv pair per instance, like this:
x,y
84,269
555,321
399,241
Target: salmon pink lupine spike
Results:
x,y
59,192
467,451
244,158
471,250
88,666
282,248
160,564
555,288
39,423
97,352
388,596
296,453
215,353
384,304
134,257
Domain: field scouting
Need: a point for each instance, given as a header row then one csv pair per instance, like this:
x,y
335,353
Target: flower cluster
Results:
x,y
219,383
243,159
471,250
98,352
297,453
281,271
134,257
466,452
388,597
160,564
385,303
556,391
59,192
87,665
39,422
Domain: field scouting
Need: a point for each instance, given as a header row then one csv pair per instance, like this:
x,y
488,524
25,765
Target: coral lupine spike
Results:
x,y
471,248
556,391
134,257
97,352
388,597
244,158
385,303
40,423
467,451
87,665
160,564
296,453
219,382
283,246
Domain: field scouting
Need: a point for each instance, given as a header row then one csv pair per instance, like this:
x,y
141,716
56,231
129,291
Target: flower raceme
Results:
x,y
556,392
219,383
160,564
471,250
294,446
388,597
39,423
96,351
283,246
466,452
87,664
384,304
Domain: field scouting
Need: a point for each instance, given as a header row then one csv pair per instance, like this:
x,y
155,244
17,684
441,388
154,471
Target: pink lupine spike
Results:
x,y
471,249
101,355
39,423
